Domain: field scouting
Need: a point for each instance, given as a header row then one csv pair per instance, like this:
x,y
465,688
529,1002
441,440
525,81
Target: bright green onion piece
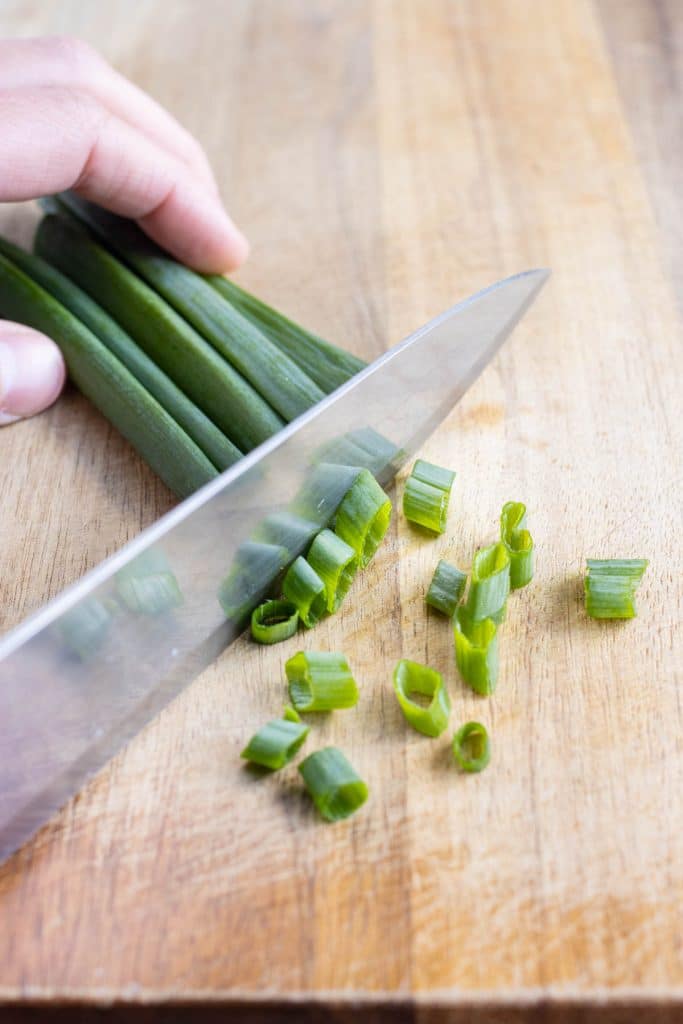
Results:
x,y
425,505
476,651
410,677
335,787
276,743
446,588
518,542
610,586
363,517
335,563
320,681
489,584
435,476
291,714
306,591
472,747
274,621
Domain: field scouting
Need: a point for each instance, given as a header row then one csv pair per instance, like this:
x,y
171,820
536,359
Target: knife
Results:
x,y
88,671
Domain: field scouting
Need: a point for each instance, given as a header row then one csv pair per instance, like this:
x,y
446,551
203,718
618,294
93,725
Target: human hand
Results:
x,y
68,120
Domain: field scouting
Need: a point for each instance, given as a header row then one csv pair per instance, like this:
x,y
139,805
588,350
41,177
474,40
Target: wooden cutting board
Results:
x,y
387,159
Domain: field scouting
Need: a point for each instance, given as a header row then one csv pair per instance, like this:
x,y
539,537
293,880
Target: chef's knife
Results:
x,y
89,670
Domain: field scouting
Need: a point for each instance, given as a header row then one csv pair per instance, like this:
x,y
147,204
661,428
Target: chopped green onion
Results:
x,y
610,586
322,492
435,476
335,787
276,743
518,542
476,651
320,681
306,591
150,595
363,516
255,569
489,584
446,588
409,677
426,496
335,563
291,532
83,628
472,747
274,621
291,714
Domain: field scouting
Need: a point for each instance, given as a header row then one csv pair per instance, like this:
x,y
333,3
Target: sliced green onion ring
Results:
x,y
274,621
426,495
518,542
306,591
610,586
276,743
320,681
150,595
363,517
472,747
410,677
335,563
489,584
334,785
252,577
436,476
291,714
83,628
476,651
446,588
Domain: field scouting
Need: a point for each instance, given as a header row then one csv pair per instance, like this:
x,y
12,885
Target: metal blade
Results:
x,y
87,672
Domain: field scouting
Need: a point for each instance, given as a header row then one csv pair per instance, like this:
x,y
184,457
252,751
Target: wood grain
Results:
x,y
386,159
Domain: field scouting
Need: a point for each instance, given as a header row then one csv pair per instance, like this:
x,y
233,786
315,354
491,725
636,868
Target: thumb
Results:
x,y
31,372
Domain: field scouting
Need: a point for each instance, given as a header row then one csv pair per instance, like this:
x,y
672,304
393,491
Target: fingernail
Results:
x,y
31,375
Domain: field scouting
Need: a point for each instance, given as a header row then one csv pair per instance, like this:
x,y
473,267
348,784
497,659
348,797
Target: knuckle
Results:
x,y
77,57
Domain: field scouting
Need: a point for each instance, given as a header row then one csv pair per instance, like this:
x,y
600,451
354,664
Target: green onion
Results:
x,y
324,363
489,584
306,591
335,787
335,563
364,448
83,628
168,340
320,681
291,714
610,586
276,743
274,621
252,577
435,476
476,651
276,377
215,445
518,542
409,677
363,517
288,531
112,389
150,595
446,588
322,492
426,495
471,747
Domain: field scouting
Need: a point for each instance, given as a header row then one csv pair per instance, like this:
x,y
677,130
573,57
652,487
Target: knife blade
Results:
x,y
83,675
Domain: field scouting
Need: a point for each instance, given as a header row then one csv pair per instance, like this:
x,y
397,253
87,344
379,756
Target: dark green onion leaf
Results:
x,y
320,681
306,591
489,584
410,677
363,517
446,588
335,787
335,563
476,651
610,586
518,542
472,747
274,621
276,743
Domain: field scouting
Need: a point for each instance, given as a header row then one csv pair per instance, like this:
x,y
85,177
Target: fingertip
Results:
x,y
32,372
195,228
